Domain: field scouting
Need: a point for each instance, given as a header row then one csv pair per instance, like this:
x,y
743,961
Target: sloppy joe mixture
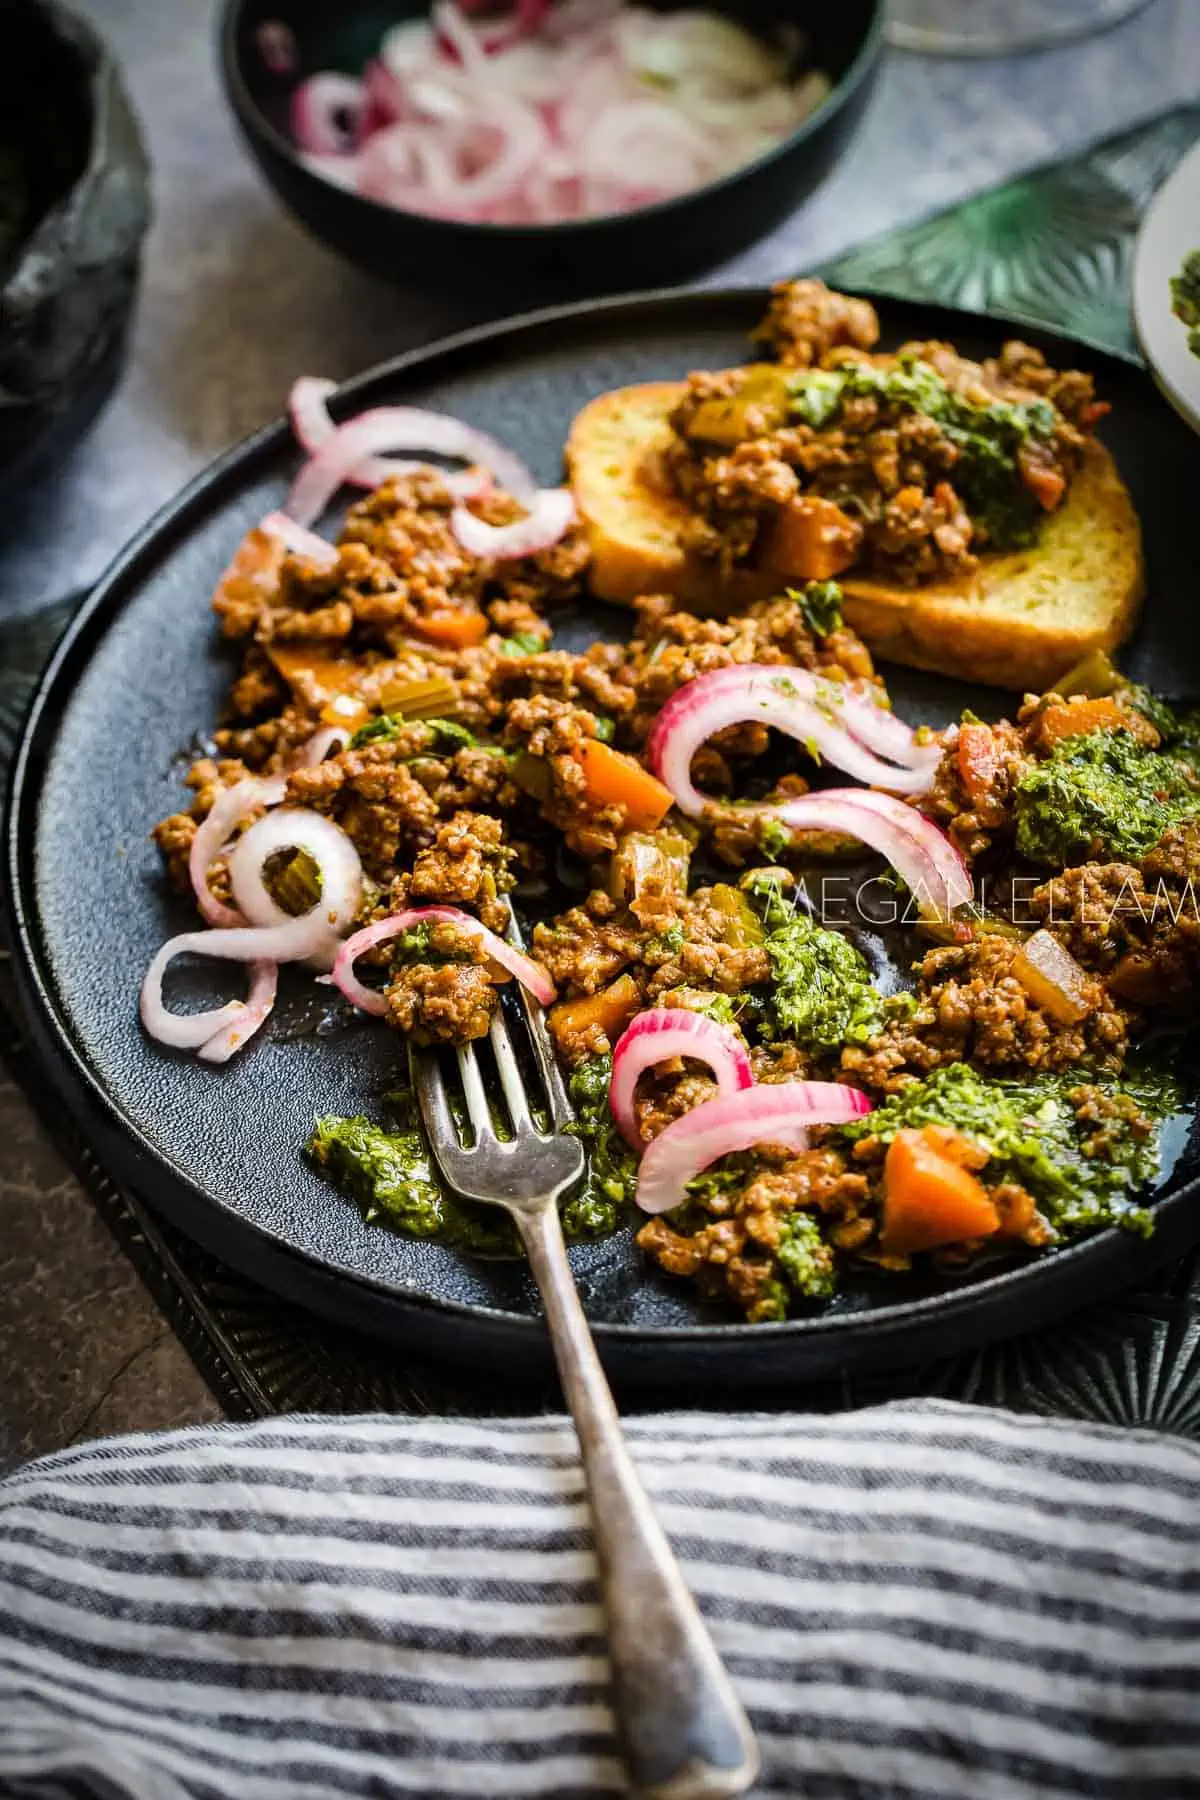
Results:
x,y
906,981
905,466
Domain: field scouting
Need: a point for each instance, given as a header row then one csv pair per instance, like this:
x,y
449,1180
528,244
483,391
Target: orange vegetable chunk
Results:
x,y
614,779
1052,977
610,1011
454,630
929,1198
1064,720
812,540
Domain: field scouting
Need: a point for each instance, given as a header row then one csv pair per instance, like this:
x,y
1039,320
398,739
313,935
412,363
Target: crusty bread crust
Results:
x,y
1023,619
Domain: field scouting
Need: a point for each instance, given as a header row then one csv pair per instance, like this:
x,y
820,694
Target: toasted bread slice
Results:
x,y
1020,620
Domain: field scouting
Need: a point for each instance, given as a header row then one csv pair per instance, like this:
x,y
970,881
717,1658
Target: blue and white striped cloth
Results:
x,y
922,1600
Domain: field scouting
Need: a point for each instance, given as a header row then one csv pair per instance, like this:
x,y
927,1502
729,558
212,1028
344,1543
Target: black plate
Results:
x,y
217,1151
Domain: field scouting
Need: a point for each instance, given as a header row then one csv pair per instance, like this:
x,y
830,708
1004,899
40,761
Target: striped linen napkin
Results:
x,y
920,1600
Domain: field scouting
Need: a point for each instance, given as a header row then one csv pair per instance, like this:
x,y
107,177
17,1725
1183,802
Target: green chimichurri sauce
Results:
x,y
389,1174
1102,795
988,437
1083,1171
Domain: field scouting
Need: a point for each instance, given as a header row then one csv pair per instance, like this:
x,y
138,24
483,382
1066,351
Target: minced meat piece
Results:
x,y
806,321
970,1006
450,1003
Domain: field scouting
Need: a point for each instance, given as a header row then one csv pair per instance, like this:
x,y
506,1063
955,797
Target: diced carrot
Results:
x,y
454,630
1047,485
252,578
978,762
614,779
1064,719
608,1011
345,710
929,1198
812,540
314,672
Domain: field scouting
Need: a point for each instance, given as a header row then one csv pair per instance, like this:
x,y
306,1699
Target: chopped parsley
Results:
x,y
1100,795
386,728
522,643
820,605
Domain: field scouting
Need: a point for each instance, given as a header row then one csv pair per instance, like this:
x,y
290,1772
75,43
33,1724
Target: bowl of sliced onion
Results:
x,y
546,146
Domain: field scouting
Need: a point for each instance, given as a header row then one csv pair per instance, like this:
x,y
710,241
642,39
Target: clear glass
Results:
x,y
999,27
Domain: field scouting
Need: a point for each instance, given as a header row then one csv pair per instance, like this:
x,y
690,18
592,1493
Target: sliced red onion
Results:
x,y
876,726
921,855
313,427
264,983
550,517
806,707
327,114
231,806
402,428
531,975
330,737
340,171
299,540
257,944
768,1113
228,810
295,828
657,1036
556,112
458,36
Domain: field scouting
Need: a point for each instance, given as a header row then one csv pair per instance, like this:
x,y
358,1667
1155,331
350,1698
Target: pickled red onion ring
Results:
x,y
272,936
296,828
327,114
256,1009
313,426
921,855
404,428
213,833
299,540
768,1113
229,809
822,714
256,944
550,516
660,1034
530,974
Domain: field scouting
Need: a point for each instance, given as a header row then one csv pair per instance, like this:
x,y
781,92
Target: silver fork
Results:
x,y
683,1730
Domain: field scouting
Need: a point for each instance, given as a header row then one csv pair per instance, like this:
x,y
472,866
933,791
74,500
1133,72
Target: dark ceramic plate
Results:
x,y
217,1151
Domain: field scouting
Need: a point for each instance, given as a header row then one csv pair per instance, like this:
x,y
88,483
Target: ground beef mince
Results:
x,y
444,990
806,321
969,1006
906,465
476,765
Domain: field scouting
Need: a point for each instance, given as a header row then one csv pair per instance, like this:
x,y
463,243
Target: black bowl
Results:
x,y
74,205
656,244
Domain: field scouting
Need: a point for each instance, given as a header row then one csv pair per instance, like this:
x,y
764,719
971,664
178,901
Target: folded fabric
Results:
x,y
920,1600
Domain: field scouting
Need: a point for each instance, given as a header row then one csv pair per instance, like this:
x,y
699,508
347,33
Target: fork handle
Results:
x,y
683,1730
